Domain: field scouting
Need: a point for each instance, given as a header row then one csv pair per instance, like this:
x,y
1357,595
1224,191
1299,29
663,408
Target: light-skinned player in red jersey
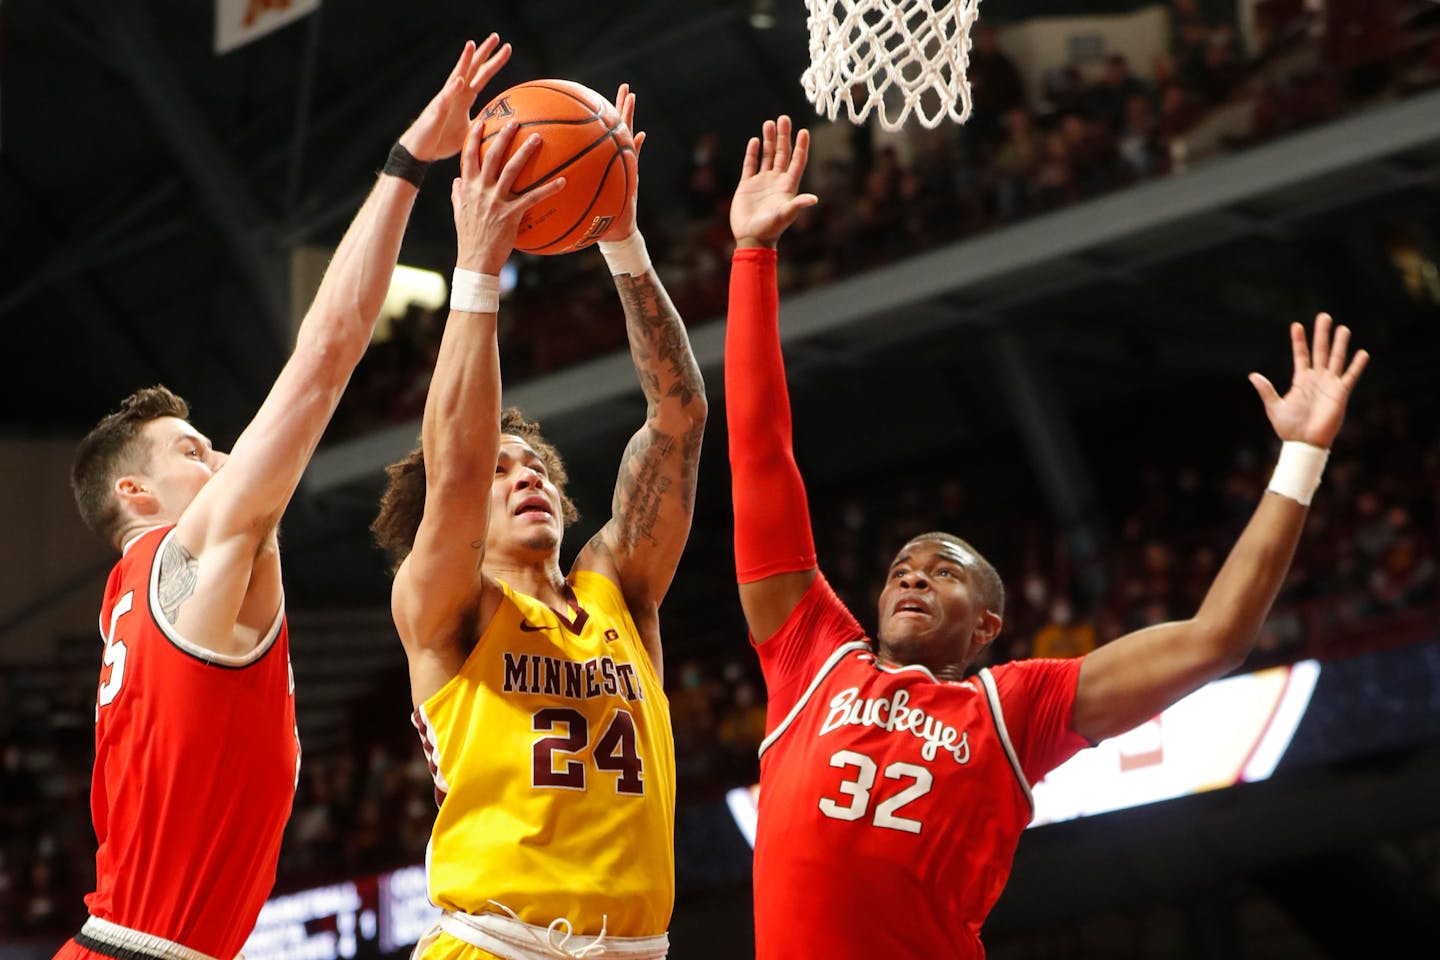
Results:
x,y
893,789
196,749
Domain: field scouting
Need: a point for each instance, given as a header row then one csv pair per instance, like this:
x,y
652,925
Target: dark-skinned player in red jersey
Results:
x,y
196,748
893,789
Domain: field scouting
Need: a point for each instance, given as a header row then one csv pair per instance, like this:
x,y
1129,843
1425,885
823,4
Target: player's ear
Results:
x,y
987,628
135,495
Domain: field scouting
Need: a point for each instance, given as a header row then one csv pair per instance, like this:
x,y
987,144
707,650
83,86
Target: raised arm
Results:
x,y
654,496
436,585
774,545
1130,680
236,513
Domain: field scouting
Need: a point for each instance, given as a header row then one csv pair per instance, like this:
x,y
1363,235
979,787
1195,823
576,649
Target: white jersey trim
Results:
x,y
123,938
506,935
125,548
431,743
992,694
189,646
840,653
917,667
104,633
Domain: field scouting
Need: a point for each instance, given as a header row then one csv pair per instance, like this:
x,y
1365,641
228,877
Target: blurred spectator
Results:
x,y
1062,636
1015,164
1109,98
1139,144
995,87
1053,182
706,189
1063,91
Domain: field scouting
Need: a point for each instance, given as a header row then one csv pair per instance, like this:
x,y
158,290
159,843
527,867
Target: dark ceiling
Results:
x,y
150,190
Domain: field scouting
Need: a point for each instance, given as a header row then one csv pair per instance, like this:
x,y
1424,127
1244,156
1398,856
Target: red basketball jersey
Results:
x,y
891,802
196,760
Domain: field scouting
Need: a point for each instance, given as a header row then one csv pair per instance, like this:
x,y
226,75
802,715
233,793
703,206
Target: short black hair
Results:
x,y
992,588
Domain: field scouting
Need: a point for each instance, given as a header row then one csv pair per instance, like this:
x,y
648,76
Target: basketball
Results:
x,y
583,139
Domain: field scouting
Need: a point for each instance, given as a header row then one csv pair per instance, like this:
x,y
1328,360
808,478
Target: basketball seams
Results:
x,y
566,93
570,161
594,198
569,154
545,122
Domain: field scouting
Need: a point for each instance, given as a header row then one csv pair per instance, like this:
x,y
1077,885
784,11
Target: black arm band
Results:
x,y
402,164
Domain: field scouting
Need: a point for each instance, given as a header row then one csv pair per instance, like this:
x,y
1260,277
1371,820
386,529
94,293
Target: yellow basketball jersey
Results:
x,y
554,764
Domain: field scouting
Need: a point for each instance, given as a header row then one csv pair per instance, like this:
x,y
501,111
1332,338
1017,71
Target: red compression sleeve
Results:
x,y
772,517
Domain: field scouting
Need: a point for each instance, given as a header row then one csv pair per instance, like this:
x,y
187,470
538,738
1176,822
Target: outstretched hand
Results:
x,y
624,224
487,209
766,202
1314,407
439,131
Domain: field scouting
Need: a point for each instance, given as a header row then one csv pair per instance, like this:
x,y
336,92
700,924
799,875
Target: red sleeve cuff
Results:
x,y
760,255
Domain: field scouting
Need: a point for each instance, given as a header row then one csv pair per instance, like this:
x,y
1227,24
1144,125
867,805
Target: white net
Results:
x,y
894,56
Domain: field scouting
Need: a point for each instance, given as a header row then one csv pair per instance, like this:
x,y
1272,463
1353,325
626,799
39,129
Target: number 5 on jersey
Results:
x,y
615,751
115,653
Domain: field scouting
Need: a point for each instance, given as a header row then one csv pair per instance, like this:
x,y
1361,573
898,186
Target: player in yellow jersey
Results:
x,y
538,695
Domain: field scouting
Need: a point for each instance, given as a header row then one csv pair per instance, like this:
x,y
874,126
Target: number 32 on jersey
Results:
x,y
858,790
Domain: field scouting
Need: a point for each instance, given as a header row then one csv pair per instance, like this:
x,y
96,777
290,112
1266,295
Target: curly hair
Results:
x,y
403,502
112,449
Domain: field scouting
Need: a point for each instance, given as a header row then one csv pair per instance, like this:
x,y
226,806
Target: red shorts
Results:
x,y
73,951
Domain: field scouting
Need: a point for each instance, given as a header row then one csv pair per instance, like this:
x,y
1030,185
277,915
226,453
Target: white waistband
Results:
x,y
511,937
123,938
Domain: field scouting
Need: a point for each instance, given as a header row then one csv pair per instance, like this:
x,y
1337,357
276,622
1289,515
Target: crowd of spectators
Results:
x,y
1090,128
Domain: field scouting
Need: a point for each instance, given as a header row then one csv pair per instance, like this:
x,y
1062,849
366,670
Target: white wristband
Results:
x,y
474,292
1297,473
626,256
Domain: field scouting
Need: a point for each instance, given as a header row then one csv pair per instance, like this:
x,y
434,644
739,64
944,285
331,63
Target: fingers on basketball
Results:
x,y
529,146
585,141
471,153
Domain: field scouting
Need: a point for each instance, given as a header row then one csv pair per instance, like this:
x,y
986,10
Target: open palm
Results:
x,y
439,132
1314,406
766,201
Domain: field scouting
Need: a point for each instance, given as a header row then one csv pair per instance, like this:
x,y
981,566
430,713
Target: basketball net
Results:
x,y
862,49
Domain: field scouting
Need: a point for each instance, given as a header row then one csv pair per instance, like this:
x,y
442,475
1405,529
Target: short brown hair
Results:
x,y
403,503
110,450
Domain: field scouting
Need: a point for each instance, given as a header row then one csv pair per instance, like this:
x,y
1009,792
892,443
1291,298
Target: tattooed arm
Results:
x,y
178,575
655,492
640,546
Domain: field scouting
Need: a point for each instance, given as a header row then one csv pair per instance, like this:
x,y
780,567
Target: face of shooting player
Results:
x,y
526,511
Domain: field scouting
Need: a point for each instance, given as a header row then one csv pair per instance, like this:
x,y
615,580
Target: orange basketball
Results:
x,y
583,139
